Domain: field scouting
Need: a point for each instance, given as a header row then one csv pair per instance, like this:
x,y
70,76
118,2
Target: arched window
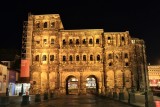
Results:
x,y
110,64
70,41
52,41
77,58
64,42
51,57
52,24
91,57
45,25
123,39
109,40
44,58
127,64
109,56
84,57
70,58
97,41
90,41
38,25
64,58
125,55
37,58
77,41
98,57
84,41
44,41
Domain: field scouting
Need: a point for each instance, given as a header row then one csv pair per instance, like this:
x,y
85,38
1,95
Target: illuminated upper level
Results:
x,y
46,22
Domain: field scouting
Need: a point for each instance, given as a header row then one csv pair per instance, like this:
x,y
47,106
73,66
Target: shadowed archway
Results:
x,y
71,85
92,84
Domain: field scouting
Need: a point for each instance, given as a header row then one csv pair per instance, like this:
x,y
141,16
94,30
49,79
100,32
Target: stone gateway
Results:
x,y
83,60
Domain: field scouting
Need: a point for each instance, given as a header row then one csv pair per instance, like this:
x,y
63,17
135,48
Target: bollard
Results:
x,y
131,98
121,96
110,95
115,95
25,100
37,98
45,96
51,95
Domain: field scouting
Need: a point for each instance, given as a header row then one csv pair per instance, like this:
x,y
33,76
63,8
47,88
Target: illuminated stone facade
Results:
x,y
55,54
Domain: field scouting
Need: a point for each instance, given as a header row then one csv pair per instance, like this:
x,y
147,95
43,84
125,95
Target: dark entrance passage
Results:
x,y
91,84
71,85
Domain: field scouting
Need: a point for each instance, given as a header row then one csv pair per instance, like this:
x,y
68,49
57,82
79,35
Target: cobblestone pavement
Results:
x,y
70,101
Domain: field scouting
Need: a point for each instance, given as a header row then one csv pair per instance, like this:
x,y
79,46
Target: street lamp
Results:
x,y
148,94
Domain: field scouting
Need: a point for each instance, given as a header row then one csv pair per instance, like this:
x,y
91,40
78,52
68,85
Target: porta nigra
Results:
x,y
81,61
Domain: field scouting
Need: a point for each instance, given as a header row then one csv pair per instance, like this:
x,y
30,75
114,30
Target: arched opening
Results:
x,y
71,85
91,84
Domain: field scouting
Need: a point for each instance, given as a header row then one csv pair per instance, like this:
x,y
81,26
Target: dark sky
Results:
x,y
140,17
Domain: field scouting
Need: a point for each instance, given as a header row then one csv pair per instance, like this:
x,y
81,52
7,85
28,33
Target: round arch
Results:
x,y
92,85
71,85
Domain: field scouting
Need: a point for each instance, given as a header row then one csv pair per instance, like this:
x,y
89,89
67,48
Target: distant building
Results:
x,y
154,75
82,60
3,79
11,59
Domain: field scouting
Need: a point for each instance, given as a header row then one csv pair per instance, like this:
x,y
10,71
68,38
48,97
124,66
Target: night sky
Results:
x,y
140,17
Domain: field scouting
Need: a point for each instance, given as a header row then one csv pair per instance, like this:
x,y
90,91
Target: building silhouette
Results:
x,y
82,60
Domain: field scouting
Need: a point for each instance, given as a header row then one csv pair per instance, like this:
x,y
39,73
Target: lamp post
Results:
x,y
148,94
104,76
121,94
